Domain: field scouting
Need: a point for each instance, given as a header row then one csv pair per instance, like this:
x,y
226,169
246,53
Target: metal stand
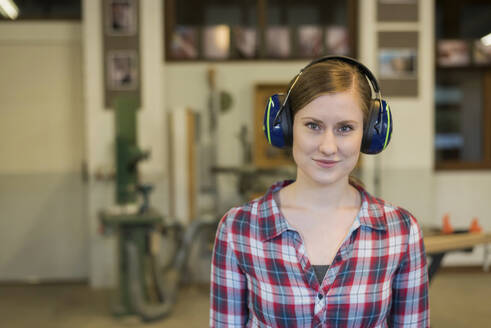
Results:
x,y
133,224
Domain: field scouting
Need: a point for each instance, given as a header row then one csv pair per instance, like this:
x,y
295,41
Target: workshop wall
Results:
x,y
42,196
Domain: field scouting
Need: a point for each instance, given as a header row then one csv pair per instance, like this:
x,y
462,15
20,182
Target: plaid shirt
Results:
x,y
261,276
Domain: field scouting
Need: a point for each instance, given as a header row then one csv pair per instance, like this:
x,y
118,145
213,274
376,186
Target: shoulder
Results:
x,y
239,215
398,216
245,220
259,219
396,219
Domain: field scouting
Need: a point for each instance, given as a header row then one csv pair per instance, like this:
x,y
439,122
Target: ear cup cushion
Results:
x,y
370,129
287,124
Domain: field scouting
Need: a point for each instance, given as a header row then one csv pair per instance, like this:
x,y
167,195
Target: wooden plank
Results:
x,y
398,39
352,20
191,163
442,243
170,165
397,12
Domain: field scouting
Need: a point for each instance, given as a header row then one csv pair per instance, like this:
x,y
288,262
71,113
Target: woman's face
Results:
x,y
327,136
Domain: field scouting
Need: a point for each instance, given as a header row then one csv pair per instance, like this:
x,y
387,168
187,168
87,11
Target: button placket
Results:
x,y
320,302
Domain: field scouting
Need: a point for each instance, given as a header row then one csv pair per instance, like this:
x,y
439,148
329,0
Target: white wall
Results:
x,y
43,230
42,118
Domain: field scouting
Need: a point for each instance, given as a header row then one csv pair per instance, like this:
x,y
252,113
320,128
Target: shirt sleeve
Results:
x,y
228,290
410,285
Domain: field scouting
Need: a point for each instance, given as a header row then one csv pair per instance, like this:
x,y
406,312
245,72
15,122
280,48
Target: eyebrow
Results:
x,y
339,123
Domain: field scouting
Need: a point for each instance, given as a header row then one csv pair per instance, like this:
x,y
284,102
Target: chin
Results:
x,y
325,178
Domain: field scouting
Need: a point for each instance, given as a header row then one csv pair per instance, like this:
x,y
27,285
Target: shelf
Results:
x,y
463,68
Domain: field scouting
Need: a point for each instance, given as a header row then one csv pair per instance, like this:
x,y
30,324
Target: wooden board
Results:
x,y
397,12
190,118
181,164
442,243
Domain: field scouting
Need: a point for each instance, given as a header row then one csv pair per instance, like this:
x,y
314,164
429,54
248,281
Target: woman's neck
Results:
x,y
308,194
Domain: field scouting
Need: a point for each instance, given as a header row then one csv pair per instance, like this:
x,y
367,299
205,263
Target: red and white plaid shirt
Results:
x,y
261,276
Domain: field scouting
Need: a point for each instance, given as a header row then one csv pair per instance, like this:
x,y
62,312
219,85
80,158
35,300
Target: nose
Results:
x,y
328,145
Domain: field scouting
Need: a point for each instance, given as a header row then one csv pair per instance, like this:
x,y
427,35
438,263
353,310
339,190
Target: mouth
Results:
x,y
325,163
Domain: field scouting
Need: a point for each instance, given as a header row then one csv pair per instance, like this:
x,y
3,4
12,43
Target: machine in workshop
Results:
x,y
141,289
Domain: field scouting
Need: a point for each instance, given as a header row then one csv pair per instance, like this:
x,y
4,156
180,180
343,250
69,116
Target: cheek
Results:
x,y
352,145
303,142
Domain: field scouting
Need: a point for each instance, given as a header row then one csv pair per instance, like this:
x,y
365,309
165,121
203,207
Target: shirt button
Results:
x,y
320,296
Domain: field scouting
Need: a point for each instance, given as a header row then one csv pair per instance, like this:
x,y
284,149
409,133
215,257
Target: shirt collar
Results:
x,y
272,223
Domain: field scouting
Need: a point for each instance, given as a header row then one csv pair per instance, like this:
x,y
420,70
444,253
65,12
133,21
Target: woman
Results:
x,y
320,251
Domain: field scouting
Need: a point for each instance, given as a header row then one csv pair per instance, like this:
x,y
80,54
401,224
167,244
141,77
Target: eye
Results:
x,y
346,128
312,125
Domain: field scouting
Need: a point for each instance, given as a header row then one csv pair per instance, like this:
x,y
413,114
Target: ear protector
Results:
x,y
377,131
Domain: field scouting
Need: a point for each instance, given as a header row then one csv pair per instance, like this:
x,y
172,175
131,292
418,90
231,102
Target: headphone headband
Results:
x,y
348,60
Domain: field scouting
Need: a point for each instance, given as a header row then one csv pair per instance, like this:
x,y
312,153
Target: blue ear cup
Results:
x,y
378,128
277,128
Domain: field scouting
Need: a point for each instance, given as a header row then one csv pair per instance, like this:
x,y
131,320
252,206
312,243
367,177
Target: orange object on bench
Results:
x,y
447,227
475,227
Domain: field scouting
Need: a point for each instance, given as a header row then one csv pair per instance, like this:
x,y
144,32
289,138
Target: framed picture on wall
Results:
x,y
398,63
121,19
453,53
309,41
245,40
278,42
122,70
216,42
184,43
337,40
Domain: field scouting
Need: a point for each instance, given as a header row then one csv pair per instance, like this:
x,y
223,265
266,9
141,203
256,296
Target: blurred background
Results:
x,y
129,127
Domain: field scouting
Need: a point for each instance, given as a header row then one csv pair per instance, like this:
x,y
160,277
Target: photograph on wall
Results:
x,y
245,40
309,41
481,53
122,70
121,18
397,63
216,42
184,44
278,43
398,2
453,53
337,40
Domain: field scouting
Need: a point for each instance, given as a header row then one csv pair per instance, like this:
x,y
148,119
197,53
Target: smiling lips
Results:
x,y
325,163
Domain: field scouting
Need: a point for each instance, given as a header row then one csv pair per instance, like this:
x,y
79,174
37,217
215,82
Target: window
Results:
x,y
463,85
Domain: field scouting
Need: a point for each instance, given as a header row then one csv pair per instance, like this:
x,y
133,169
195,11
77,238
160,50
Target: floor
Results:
x,y
457,299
